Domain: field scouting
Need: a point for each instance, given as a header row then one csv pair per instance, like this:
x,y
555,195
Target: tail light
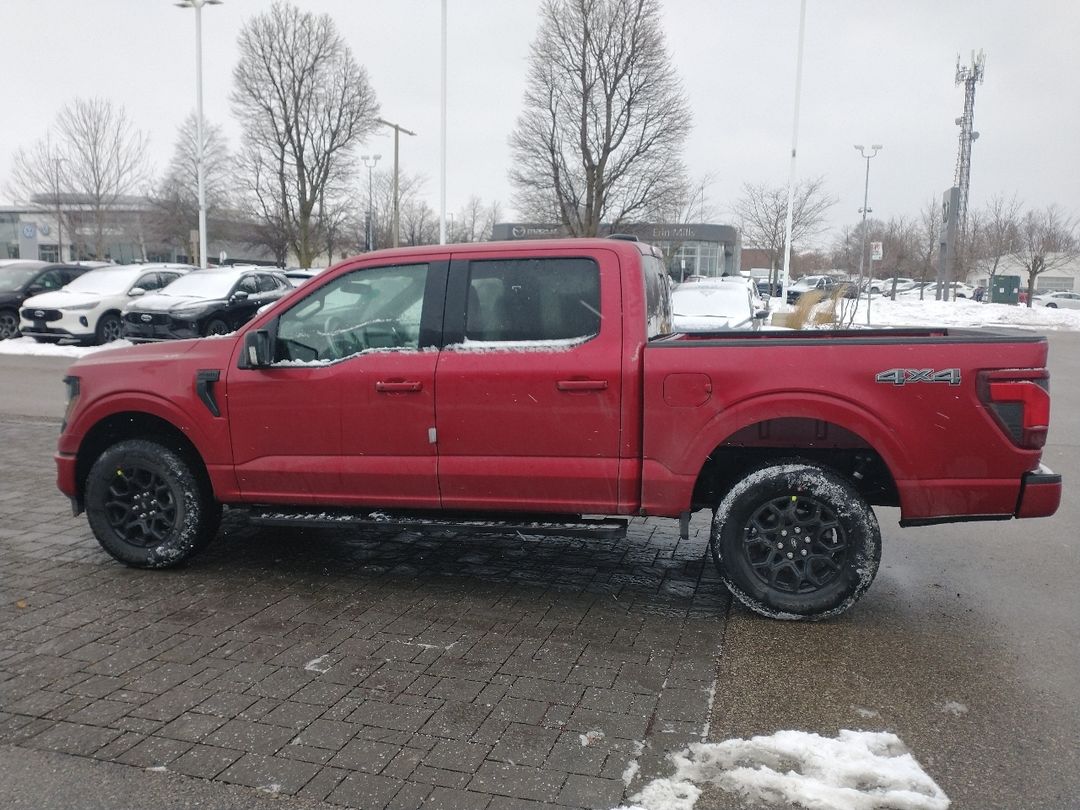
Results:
x,y
1019,399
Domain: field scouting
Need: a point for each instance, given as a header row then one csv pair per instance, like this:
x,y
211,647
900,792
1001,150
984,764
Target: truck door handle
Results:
x,y
581,385
390,387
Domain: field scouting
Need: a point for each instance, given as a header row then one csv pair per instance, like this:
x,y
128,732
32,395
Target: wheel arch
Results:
x,y
824,430
124,425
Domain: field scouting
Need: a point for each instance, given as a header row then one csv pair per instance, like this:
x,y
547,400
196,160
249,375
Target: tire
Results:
x,y
830,564
217,326
1051,305
9,324
109,328
147,507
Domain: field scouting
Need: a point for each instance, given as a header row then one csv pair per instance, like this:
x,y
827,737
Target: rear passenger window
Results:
x,y
533,300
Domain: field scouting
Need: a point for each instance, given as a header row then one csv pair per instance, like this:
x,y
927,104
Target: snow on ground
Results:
x,y
857,770
963,312
29,346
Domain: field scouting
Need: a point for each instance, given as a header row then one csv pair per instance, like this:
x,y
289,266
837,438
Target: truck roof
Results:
x,y
588,243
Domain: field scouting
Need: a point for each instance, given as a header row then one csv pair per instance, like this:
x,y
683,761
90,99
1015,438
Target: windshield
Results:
x,y
715,302
202,285
14,276
105,282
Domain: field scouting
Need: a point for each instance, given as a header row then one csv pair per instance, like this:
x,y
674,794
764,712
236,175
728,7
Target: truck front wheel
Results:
x,y
795,541
147,507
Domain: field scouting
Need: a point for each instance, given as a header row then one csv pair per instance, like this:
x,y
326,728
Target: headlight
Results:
x,y
78,307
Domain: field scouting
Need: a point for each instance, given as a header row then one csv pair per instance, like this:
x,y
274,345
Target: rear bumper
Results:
x,y
1040,493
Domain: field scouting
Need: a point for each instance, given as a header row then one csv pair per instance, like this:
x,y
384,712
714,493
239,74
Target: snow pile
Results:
x,y
858,770
963,312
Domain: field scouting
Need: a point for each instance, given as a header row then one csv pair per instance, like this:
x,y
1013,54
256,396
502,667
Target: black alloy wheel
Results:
x,y
9,324
795,541
147,506
217,326
109,328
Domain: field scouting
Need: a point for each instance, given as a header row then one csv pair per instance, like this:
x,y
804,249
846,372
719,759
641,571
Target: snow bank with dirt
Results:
x,y
857,770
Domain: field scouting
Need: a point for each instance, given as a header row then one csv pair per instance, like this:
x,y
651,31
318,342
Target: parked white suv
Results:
x,y
88,309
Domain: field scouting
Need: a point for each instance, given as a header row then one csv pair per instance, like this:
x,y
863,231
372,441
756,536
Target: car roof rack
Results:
x,y
629,237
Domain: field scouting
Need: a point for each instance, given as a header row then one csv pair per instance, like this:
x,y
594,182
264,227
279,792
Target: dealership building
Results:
x,y
693,249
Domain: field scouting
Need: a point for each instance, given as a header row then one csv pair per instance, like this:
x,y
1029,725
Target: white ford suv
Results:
x,y
88,309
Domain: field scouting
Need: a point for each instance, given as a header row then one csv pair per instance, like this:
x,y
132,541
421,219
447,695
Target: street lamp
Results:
x,y
59,219
370,236
398,129
866,192
198,5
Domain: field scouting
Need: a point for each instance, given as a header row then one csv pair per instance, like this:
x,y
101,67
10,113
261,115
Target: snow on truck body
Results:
x,y
530,379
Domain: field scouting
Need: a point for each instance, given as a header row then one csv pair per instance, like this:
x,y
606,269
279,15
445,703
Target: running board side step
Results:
x,y
547,525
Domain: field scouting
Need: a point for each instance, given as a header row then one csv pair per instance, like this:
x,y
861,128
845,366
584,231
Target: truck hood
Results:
x,y
167,303
210,352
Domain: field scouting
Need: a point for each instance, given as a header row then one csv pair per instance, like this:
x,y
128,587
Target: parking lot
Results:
x,y
368,671
308,668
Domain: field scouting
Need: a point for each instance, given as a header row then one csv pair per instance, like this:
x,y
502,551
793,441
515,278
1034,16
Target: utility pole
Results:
x,y
398,129
369,237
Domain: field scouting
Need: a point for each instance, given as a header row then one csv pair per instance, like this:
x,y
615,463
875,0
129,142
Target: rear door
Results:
x,y
530,383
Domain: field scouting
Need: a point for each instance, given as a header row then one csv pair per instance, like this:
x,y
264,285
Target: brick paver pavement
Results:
x,y
368,670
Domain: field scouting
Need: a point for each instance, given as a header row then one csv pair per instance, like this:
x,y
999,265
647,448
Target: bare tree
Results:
x,y
475,221
927,236
1046,240
93,154
605,118
995,231
271,226
176,199
306,103
762,215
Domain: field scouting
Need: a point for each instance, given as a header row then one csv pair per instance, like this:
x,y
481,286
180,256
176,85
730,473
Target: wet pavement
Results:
x,y
359,669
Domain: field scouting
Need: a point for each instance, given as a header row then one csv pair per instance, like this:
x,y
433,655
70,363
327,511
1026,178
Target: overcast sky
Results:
x,y
874,72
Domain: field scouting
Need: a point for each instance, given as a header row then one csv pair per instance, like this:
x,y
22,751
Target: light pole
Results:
x,y
398,129
866,192
442,135
370,236
59,220
199,146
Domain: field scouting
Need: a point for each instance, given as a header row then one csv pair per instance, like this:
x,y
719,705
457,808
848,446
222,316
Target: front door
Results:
x,y
346,414
530,387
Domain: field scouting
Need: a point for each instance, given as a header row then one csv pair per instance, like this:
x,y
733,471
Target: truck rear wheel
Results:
x,y
795,541
147,507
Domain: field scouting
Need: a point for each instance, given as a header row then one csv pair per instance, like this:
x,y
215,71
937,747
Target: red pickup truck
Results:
x,y
538,386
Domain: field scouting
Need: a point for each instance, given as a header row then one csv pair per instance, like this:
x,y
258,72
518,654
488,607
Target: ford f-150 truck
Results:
x,y
538,386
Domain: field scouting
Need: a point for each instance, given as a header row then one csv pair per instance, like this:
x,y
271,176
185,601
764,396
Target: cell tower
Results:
x,y
969,76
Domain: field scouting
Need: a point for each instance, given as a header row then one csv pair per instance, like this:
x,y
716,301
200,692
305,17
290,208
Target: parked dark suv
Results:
x,y
205,302
21,279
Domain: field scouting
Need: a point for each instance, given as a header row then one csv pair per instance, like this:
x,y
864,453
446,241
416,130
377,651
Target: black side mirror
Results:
x,y
34,289
256,350
240,295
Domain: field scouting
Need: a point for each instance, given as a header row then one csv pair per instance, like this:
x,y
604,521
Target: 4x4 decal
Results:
x,y
903,376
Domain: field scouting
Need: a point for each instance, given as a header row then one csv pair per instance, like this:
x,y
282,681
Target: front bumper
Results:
x,y
1040,493
56,325
138,332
